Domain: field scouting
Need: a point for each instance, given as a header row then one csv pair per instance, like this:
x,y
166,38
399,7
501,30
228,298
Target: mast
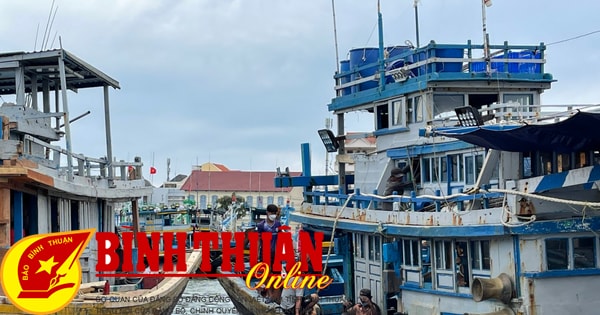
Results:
x,y
486,39
381,57
417,21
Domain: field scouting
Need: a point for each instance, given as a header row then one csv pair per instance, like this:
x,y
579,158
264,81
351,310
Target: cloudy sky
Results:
x,y
245,82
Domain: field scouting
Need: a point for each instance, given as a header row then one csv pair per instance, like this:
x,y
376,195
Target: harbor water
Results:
x,y
204,296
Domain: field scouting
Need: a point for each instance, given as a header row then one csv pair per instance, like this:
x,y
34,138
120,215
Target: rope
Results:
x,y
546,198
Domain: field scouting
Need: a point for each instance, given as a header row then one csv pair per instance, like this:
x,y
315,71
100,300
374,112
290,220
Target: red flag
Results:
x,y
152,170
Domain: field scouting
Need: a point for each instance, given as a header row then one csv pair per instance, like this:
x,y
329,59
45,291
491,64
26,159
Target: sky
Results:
x,y
244,83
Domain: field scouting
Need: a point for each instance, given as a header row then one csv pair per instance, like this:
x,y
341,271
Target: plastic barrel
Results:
x,y
500,65
448,66
392,52
414,58
527,67
360,57
345,67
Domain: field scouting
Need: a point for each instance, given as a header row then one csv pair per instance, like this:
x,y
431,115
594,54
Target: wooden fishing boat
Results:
x,y
45,187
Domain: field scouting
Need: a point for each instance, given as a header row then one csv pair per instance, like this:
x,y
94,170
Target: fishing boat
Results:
x,y
45,186
250,301
477,199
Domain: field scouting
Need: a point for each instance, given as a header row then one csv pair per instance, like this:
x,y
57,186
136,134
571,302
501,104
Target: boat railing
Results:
x,y
363,69
50,156
498,113
460,201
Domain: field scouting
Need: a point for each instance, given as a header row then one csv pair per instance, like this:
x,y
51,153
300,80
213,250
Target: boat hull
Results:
x,y
160,300
245,300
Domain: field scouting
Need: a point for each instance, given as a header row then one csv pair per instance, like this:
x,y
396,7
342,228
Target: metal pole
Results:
x,y
417,22
337,56
486,48
381,56
63,86
109,157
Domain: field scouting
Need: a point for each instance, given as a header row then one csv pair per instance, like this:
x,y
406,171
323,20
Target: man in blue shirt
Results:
x,y
270,225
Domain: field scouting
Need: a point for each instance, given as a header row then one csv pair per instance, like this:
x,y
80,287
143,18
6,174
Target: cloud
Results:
x,y
234,81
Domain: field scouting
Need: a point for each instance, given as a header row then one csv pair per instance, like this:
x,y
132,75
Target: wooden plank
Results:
x,y
40,178
5,217
12,171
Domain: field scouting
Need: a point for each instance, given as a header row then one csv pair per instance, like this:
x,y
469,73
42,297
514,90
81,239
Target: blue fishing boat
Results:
x,y
477,199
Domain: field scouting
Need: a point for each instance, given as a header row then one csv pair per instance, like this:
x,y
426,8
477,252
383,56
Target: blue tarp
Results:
x,y
574,134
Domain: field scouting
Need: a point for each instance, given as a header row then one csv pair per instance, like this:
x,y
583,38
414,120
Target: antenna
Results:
x,y
337,56
486,38
415,4
168,168
37,31
49,24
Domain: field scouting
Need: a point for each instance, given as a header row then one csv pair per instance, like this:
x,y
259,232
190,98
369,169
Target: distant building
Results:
x,y
353,147
170,192
209,182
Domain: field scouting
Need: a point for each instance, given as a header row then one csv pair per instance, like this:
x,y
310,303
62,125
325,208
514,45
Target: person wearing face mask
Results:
x,y
270,225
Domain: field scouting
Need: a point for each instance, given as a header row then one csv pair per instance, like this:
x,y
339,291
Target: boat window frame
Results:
x,y
397,107
571,252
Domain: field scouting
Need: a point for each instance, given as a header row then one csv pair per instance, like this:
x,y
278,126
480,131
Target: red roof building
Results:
x,y
208,183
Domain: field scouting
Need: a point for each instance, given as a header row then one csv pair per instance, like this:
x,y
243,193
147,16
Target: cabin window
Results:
x,y
361,246
581,159
462,264
426,170
546,166
473,165
480,252
557,251
214,199
447,103
374,248
456,167
418,107
270,200
398,110
414,109
443,255
382,117
444,169
249,201
280,201
584,252
563,162
411,252
527,165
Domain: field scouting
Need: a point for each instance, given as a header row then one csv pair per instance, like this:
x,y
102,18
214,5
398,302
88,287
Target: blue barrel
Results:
x,y
361,57
527,67
448,66
345,67
500,65
392,52
414,58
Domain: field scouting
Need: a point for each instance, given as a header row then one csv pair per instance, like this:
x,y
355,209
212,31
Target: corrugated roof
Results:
x,y
233,181
44,64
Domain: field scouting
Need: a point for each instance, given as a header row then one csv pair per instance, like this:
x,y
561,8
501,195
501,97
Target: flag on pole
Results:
x,y
152,170
488,3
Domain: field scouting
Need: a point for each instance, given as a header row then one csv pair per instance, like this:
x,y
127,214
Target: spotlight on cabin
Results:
x,y
329,140
468,116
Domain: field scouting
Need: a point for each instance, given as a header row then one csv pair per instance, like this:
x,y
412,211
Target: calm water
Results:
x,y
204,296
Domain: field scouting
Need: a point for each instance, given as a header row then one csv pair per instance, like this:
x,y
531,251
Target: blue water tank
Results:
x,y
360,57
345,67
447,66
